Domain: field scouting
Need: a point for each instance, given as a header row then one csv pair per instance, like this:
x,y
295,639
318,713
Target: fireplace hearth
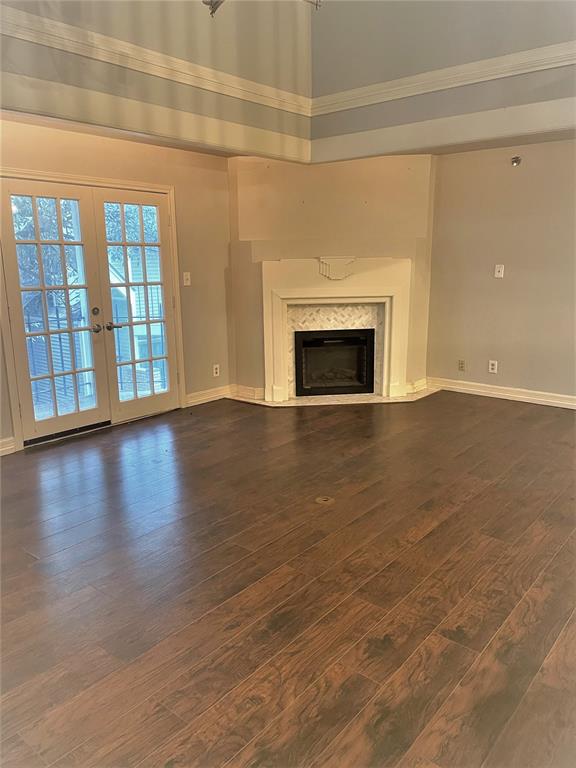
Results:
x,y
334,362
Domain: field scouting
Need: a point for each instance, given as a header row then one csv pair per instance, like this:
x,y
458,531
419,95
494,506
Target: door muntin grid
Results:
x,y
137,297
55,304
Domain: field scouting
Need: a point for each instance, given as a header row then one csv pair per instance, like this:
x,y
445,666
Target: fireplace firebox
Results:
x,y
334,362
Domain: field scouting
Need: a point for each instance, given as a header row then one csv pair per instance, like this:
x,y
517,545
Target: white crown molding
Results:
x,y
505,393
93,45
521,63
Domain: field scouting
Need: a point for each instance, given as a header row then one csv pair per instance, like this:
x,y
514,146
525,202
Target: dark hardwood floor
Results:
x,y
372,585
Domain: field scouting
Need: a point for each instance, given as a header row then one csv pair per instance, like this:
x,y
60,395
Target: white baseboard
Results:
x,y
256,394
7,445
208,395
423,386
240,392
505,393
409,388
232,391
417,386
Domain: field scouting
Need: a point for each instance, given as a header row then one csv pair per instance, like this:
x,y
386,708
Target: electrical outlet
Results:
x,y
499,271
461,365
492,366
216,370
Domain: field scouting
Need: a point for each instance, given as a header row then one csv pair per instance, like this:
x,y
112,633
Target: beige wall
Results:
x,y
379,198
485,212
202,221
246,327
488,213
384,202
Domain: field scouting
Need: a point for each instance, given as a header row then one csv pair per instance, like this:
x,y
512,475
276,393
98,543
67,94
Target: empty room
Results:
x,y
288,383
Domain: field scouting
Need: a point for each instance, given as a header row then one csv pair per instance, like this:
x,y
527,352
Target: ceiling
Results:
x,y
276,77
346,44
267,41
360,42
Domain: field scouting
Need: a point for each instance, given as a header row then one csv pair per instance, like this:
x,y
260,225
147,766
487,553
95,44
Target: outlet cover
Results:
x,y
461,365
216,370
499,271
492,366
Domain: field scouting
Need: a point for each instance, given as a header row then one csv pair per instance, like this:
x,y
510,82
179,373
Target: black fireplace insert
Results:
x,y
334,362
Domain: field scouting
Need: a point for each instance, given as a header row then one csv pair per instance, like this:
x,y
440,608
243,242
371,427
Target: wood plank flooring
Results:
x,y
343,587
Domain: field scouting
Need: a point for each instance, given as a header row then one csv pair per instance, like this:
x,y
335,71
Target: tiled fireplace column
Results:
x,y
338,317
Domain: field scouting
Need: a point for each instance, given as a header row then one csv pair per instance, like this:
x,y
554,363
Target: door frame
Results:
x,y
5,320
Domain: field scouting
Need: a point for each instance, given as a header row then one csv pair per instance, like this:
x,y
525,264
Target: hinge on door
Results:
x,y
173,302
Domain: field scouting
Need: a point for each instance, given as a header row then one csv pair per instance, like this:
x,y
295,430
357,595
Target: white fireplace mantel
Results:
x,y
385,282
391,246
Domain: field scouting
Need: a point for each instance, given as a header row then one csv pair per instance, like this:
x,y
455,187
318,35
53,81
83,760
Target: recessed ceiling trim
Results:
x,y
67,102
93,45
521,63
518,122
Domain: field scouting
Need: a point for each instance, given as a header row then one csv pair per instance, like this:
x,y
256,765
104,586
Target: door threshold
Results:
x,y
55,436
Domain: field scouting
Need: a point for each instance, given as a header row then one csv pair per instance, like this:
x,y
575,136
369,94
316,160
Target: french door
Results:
x,y
89,287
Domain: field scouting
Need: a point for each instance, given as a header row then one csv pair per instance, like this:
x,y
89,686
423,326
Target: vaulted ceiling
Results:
x,y
381,41
274,77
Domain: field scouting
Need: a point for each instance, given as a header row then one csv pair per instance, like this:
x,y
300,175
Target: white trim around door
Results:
x,y
169,244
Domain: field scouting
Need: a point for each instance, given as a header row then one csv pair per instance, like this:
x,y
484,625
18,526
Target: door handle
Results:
x,y
96,328
110,325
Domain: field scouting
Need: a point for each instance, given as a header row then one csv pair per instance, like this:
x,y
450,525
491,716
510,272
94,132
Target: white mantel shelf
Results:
x,y
390,247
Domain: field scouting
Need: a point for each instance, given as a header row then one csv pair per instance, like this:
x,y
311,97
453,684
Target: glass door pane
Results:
x,y
54,299
139,313
137,298
53,292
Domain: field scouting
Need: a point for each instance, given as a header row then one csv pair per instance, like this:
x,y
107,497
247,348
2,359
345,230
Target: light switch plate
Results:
x,y
499,270
186,278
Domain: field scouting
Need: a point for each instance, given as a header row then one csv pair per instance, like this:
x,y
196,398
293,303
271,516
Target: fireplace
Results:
x,y
334,362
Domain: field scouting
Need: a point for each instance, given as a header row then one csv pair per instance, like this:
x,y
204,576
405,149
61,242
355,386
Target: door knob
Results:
x,y
110,325
96,328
